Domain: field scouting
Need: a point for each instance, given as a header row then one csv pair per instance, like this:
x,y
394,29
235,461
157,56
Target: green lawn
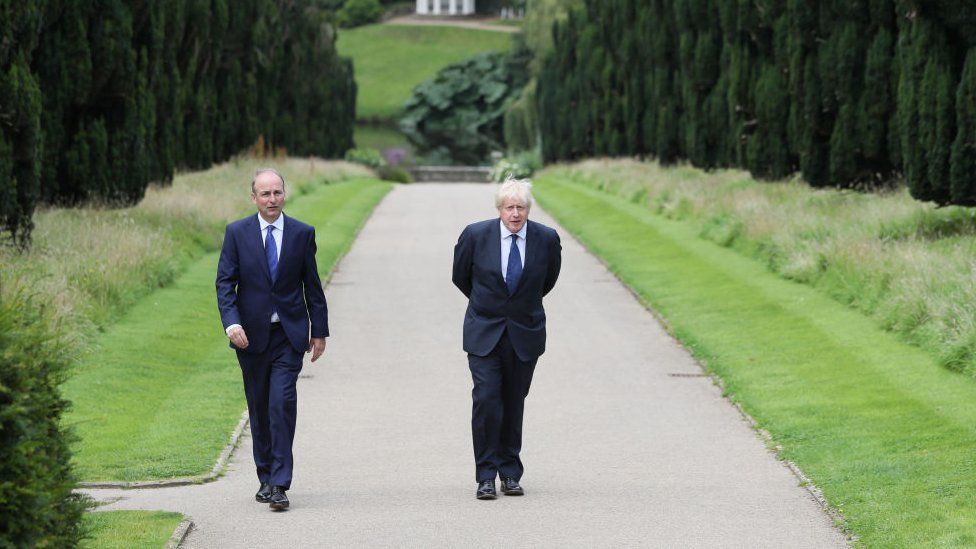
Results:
x,y
127,529
887,434
371,136
389,60
162,392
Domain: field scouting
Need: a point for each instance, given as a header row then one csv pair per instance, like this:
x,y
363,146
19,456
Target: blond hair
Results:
x,y
519,189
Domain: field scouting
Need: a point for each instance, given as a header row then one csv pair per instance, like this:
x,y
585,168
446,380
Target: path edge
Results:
x,y
179,535
765,436
215,471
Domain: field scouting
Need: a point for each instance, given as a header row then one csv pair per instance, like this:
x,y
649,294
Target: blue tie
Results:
x,y
271,252
514,272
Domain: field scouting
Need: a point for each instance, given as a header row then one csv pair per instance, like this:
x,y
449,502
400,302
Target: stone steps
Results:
x,y
450,174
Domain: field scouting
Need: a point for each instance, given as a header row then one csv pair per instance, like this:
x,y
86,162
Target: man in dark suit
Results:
x,y
273,310
504,267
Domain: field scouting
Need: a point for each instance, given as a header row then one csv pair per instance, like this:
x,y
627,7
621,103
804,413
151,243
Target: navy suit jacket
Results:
x,y
491,311
245,290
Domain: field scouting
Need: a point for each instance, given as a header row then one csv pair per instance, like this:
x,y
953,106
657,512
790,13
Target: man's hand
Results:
x,y
316,346
237,337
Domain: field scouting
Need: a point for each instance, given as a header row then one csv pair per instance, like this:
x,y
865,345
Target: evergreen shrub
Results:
x,y
98,99
37,507
850,94
355,13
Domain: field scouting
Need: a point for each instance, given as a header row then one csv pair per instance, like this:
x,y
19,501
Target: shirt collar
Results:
x,y
279,223
506,234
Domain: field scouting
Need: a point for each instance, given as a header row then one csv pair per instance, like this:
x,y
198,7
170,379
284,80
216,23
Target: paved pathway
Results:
x,y
617,451
443,21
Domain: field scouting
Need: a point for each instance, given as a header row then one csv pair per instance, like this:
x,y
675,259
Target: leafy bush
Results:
x,y
366,157
459,113
520,166
396,174
386,164
37,507
355,13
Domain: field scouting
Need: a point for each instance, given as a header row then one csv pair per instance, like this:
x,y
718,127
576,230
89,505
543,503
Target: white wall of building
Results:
x,y
445,7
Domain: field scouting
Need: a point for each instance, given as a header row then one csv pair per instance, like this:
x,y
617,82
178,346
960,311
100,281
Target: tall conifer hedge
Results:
x,y
97,99
845,92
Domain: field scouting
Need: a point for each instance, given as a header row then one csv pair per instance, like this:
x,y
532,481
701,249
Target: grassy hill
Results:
x,y
390,60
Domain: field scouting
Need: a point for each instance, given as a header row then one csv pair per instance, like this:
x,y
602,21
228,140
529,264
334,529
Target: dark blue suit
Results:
x,y
504,335
273,359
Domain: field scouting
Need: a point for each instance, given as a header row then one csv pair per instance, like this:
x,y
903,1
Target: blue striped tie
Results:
x,y
271,251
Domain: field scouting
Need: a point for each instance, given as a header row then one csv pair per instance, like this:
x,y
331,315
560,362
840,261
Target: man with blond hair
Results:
x,y
504,266
273,310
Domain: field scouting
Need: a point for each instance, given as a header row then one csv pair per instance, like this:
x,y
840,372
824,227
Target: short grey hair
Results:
x,y
260,171
519,189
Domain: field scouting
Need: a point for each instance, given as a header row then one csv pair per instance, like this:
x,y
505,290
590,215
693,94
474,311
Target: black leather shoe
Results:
x,y
510,487
486,490
264,493
279,501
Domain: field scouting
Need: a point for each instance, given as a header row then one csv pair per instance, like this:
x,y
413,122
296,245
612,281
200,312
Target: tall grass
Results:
x,y
89,264
909,265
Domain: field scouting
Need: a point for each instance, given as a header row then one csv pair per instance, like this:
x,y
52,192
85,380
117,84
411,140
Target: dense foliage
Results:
x,y
98,99
458,114
847,93
37,507
355,13
521,123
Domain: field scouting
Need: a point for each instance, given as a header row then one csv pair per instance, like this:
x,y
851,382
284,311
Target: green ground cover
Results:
x,y
380,137
877,424
389,60
127,529
161,391
909,265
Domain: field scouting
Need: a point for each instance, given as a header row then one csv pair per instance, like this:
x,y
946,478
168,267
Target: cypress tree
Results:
x,y
938,115
766,153
876,105
962,172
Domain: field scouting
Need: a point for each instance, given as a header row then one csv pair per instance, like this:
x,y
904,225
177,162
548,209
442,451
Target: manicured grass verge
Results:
x,y
161,393
390,60
907,264
127,529
887,434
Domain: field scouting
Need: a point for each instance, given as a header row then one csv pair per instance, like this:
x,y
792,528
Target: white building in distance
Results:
x,y
445,7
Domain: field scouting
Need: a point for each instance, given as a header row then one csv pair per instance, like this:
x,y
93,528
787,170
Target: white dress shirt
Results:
x,y
507,246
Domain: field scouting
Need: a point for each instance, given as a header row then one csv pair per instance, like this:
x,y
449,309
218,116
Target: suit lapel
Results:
x,y
532,247
495,250
256,238
287,242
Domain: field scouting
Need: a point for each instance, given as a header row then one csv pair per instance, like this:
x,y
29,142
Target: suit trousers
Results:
x,y
270,380
501,383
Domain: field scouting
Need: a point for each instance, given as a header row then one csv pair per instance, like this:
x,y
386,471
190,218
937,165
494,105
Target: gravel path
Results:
x,y
618,450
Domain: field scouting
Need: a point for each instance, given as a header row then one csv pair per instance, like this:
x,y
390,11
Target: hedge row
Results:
x,y
846,92
99,98
37,507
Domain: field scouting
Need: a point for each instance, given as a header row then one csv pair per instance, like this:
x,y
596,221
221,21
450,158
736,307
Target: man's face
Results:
x,y
268,196
514,213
